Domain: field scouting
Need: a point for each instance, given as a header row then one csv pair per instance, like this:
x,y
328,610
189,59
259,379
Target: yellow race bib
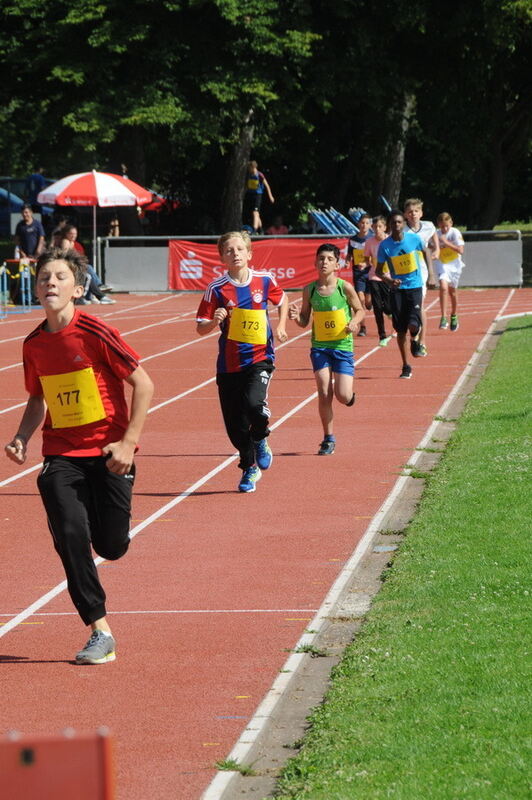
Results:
x,y
329,325
447,255
358,256
248,325
73,398
404,264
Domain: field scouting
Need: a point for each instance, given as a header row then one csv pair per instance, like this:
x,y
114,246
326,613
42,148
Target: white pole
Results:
x,y
94,248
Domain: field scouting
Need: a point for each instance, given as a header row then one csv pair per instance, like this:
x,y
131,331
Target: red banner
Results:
x,y
193,265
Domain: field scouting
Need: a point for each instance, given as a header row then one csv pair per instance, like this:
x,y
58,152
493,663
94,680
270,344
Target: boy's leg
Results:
x,y
453,297
443,297
231,394
324,385
400,314
66,496
255,393
110,510
378,311
343,388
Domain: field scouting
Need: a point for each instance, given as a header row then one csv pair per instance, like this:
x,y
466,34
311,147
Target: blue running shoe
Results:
x,y
250,476
263,454
327,448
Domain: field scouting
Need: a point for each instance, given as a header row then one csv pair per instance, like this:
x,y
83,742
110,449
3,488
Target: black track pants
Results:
x,y
86,504
244,401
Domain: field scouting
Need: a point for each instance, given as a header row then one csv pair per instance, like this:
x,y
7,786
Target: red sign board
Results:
x,y
193,265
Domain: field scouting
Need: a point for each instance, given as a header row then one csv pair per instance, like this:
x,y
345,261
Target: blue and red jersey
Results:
x,y
260,289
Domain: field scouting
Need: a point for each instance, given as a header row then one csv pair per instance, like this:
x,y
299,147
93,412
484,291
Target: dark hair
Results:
x,y
69,227
328,247
76,262
395,212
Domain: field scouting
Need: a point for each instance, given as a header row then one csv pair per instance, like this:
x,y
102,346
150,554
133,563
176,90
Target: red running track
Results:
x,y
217,586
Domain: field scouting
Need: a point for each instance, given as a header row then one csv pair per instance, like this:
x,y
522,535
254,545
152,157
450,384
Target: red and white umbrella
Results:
x,y
95,189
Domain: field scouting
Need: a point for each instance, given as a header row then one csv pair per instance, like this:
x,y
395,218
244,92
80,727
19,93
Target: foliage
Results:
x,y
165,86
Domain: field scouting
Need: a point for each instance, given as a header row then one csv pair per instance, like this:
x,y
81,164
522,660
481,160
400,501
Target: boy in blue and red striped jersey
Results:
x,y
77,365
238,303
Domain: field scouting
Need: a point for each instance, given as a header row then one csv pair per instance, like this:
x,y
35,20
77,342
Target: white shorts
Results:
x,y
450,273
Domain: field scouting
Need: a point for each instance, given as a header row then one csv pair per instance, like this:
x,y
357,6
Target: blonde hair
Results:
x,y
413,201
444,217
244,235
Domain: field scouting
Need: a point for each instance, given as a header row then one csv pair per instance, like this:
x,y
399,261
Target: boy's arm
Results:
x,y
434,243
428,255
283,316
302,317
31,419
208,325
356,307
385,276
268,190
122,452
458,248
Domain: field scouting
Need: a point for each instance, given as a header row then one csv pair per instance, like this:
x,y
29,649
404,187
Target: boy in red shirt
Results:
x,y
76,365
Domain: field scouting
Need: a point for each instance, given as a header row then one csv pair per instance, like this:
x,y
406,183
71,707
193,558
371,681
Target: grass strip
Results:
x,y
430,699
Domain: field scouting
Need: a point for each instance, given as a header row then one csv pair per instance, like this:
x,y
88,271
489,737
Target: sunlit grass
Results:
x,y
430,701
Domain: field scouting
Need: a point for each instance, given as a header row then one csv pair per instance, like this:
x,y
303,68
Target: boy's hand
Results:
x,y
352,326
220,314
281,333
293,311
16,450
120,456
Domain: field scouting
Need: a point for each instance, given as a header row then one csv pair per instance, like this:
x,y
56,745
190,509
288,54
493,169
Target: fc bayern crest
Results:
x,y
257,297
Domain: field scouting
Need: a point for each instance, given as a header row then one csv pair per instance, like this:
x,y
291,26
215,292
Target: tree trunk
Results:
x,y
233,192
491,212
395,156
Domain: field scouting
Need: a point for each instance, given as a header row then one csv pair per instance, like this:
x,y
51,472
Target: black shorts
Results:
x,y
406,310
252,202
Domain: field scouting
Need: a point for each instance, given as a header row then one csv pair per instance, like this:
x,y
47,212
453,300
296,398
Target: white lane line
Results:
x,y
173,399
513,316
45,599
164,299
12,408
11,366
159,611
125,333
20,475
263,714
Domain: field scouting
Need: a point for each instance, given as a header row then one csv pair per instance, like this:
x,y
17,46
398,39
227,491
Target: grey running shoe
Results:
x,y
99,649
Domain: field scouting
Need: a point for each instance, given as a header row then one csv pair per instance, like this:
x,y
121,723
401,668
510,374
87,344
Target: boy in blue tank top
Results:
x,y
336,315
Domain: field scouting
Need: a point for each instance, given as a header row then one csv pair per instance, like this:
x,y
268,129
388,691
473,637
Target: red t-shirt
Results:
x,y
88,357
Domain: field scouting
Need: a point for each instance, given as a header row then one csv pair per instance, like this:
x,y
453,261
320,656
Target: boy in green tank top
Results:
x,y
336,315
